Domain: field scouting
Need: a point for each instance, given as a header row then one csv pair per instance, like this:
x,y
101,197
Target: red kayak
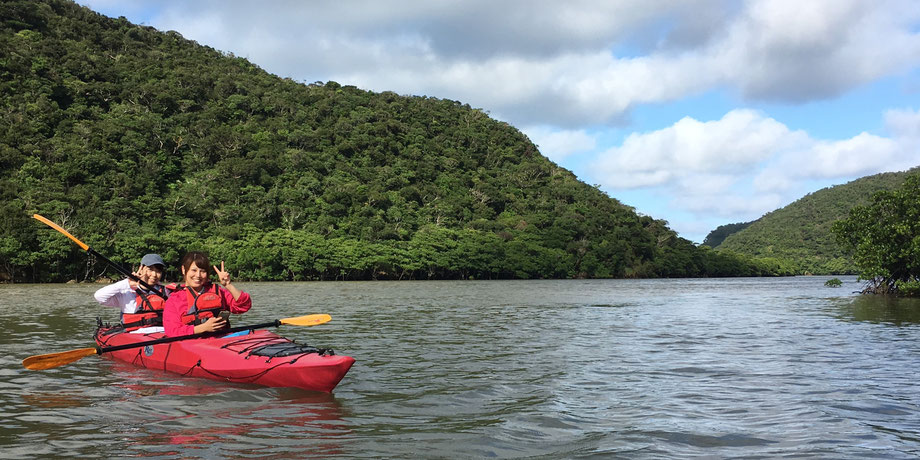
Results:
x,y
259,357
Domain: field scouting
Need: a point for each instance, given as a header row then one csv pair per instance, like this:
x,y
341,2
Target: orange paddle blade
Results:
x,y
52,360
65,232
308,320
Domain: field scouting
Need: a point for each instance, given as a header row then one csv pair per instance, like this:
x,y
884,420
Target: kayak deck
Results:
x,y
260,357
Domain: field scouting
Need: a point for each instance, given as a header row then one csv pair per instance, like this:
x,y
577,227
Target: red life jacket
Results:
x,y
149,310
203,306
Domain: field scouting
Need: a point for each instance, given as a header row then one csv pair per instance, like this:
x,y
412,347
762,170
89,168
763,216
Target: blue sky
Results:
x,y
698,112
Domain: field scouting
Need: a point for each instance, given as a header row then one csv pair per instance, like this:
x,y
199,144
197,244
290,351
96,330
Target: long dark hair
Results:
x,y
195,257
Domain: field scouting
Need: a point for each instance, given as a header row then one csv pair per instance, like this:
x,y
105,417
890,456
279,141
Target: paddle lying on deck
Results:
x,y
92,251
52,360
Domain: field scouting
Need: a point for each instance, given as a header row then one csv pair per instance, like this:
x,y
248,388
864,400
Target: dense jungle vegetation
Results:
x,y
798,237
717,236
884,238
137,141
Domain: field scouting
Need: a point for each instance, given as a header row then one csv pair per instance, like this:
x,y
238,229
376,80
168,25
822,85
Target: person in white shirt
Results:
x,y
126,294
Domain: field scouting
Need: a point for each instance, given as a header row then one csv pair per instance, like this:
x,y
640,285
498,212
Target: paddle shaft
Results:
x,y
100,350
52,360
92,251
125,272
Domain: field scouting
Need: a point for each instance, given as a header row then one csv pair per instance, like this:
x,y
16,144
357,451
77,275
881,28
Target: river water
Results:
x,y
781,367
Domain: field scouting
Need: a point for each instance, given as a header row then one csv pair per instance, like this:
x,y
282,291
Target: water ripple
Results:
x,y
754,368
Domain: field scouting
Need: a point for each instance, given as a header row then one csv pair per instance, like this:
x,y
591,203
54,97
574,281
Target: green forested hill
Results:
x,y
799,235
137,140
717,236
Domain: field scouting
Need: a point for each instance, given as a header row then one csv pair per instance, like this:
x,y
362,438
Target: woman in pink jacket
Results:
x,y
196,306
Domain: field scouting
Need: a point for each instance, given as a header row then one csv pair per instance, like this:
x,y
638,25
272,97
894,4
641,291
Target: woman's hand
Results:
x,y
222,275
146,274
211,325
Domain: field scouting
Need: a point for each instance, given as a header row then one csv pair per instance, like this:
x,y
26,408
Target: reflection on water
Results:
x,y
54,399
239,424
141,382
546,369
879,309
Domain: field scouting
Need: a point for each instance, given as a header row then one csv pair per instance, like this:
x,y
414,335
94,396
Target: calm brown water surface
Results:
x,y
539,369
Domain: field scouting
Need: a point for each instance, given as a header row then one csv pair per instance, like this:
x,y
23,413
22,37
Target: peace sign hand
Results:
x,y
222,274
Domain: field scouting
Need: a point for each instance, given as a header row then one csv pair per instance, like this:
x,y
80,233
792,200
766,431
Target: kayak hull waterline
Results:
x,y
260,357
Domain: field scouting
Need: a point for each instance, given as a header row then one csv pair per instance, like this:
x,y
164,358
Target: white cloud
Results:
x,y
558,67
726,205
735,143
859,155
706,167
773,180
801,51
560,144
564,63
903,123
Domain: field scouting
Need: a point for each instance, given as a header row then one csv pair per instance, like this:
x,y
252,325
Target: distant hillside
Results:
x,y
799,233
717,236
138,140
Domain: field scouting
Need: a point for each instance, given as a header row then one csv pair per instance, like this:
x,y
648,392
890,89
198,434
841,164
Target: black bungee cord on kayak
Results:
x,y
283,349
247,379
274,348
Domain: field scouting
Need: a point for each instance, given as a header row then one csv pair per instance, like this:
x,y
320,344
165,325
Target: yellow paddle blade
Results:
x,y
65,232
308,320
52,360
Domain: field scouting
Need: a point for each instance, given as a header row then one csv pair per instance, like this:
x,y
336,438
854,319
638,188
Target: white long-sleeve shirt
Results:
x,y
120,295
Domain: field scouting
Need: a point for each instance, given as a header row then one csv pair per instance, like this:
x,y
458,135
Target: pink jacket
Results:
x,y
177,305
